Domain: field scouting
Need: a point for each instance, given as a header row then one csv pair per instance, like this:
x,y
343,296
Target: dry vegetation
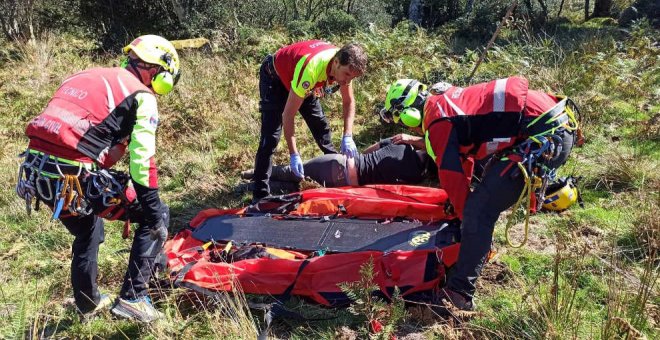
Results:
x,y
587,273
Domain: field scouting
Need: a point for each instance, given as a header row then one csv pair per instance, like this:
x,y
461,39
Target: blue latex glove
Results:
x,y
297,165
348,147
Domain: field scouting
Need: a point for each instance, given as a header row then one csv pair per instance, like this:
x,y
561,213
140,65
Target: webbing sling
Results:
x,y
277,309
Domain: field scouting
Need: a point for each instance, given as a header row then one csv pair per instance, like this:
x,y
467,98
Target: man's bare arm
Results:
x,y
292,106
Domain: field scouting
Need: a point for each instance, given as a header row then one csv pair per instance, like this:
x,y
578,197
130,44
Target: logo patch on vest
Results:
x,y
153,121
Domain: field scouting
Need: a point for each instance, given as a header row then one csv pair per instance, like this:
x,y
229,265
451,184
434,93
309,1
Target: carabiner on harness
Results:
x,y
70,194
28,188
103,184
25,189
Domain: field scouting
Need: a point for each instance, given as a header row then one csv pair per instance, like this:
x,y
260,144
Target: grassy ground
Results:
x,y
586,273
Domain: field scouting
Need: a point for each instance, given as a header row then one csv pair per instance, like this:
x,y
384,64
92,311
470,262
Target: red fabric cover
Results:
x,y
405,269
376,201
371,201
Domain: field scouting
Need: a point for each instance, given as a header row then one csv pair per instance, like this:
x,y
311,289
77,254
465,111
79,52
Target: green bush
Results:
x,y
640,9
301,28
337,22
58,15
483,21
369,13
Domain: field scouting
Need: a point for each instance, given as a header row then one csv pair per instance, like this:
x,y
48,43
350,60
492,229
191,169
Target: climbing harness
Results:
x,y
69,194
25,188
109,187
41,178
532,156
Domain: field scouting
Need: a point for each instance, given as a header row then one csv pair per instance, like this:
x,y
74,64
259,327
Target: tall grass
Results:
x,y
597,284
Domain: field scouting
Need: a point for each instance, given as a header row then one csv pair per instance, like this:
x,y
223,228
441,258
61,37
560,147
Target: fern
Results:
x,y
19,321
370,307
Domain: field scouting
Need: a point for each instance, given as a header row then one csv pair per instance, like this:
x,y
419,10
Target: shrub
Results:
x,y
371,13
639,9
337,22
302,28
483,20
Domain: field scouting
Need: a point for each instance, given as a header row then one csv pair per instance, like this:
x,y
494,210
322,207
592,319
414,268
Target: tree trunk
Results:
x,y
296,13
468,7
452,9
16,19
349,6
415,12
179,11
586,10
602,9
561,6
544,8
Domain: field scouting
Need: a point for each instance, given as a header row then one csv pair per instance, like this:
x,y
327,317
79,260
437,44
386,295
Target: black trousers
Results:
x,y
496,192
89,234
327,170
273,99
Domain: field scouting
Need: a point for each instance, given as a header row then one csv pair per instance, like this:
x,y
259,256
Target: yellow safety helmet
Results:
x,y
562,194
154,49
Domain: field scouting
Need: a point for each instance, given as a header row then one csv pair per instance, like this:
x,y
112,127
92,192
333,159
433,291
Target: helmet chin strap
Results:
x,y
139,71
420,100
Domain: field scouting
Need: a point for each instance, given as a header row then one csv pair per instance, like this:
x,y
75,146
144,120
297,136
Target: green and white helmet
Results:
x,y
404,102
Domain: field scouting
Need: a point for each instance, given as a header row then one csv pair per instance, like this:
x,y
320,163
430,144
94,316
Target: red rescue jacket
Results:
x,y
95,116
464,124
292,61
91,118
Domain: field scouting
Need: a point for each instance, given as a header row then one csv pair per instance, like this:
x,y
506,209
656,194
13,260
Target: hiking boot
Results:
x,y
104,302
140,309
247,174
447,302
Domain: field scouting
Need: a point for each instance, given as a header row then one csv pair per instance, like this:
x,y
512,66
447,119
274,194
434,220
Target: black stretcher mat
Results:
x,y
334,235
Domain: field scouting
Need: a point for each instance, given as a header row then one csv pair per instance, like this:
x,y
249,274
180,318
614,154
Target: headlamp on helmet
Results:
x,y
156,50
404,102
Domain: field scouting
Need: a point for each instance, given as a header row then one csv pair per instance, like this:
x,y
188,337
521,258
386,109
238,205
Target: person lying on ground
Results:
x,y
400,159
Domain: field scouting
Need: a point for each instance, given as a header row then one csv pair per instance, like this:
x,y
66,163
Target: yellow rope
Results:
x,y
530,188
